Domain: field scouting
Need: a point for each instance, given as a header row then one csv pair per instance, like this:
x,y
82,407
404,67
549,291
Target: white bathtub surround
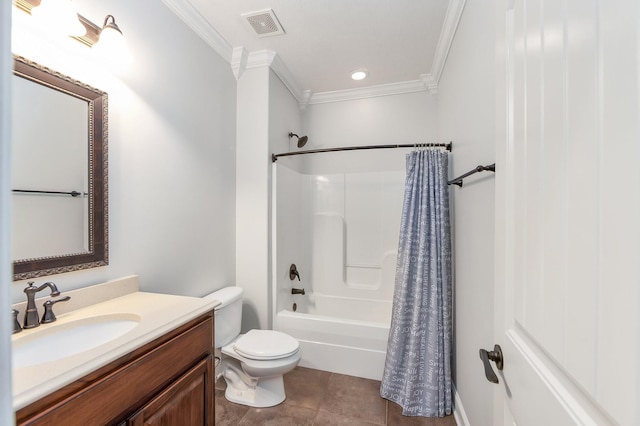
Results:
x,y
336,216
350,308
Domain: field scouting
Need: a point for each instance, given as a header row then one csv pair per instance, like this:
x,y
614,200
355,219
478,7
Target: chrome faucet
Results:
x,y
31,317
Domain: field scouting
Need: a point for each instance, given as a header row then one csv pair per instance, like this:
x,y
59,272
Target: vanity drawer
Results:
x,y
112,393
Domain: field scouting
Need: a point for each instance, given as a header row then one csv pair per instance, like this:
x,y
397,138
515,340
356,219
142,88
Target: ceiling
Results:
x,y
402,43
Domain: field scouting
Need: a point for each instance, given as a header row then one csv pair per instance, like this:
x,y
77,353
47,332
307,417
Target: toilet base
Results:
x,y
266,393
251,391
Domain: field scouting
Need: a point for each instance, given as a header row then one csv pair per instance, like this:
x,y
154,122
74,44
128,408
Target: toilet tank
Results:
x,y
228,315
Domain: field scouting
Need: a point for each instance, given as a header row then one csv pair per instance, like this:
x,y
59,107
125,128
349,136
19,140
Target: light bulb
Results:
x,y
111,45
58,16
359,74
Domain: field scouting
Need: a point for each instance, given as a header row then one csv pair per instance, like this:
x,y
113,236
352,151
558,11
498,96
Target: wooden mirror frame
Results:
x,y
98,253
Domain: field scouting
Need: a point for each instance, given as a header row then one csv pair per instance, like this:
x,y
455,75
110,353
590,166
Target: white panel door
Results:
x,y
568,212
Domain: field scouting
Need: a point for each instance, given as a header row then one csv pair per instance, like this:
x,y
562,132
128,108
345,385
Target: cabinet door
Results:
x,y
186,402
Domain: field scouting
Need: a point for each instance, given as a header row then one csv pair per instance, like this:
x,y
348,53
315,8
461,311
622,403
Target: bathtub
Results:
x,y
339,334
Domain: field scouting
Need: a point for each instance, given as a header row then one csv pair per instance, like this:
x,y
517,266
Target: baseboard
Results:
x,y
458,410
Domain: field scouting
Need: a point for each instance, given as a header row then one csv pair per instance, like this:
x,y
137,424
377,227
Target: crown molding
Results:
x,y
425,83
261,58
239,59
449,27
283,73
268,58
306,97
430,83
195,21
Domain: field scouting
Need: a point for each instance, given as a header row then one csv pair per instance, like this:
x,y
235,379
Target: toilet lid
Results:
x,y
266,344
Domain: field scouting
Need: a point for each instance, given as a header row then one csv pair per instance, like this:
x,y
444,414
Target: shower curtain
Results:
x,y
417,372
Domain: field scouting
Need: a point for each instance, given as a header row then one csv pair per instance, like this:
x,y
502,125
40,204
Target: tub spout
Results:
x,y
297,291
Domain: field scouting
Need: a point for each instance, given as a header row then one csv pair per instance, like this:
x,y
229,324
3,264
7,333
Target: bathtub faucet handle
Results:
x,y
297,291
293,272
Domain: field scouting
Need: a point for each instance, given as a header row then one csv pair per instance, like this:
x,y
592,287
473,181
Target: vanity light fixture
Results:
x,y
111,45
359,74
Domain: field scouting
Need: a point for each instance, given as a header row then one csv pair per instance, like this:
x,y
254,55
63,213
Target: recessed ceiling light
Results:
x,y
359,74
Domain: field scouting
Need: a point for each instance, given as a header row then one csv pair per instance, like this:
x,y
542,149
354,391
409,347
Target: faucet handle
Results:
x,y
16,324
293,272
48,315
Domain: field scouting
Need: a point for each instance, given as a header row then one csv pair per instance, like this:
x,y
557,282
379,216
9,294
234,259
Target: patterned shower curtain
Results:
x,y
417,371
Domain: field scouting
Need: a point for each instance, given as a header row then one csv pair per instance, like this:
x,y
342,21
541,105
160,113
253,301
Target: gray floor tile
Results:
x,y
280,415
356,398
320,398
228,413
306,387
324,418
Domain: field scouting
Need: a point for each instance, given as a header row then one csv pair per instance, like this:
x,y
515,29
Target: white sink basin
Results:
x,y
51,342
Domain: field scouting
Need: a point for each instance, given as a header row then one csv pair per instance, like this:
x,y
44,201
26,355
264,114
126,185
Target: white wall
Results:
x,y
252,196
171,150
466,115
266,113
405,118
284,117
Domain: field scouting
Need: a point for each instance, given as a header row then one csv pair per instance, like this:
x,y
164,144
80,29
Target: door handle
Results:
x,y
496,356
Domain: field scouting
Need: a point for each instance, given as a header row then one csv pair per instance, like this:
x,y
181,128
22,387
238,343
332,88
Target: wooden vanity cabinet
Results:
x,y
180,403
169,381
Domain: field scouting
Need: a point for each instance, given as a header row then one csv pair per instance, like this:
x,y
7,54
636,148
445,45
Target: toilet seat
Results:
x,y
265,345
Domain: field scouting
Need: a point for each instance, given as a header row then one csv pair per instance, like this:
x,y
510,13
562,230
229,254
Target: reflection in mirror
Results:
x,y
49,158
59,173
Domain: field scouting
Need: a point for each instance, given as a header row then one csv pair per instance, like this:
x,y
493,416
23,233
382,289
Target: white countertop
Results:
x,y
159,314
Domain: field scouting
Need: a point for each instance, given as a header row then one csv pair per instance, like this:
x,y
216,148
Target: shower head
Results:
x,y
302,140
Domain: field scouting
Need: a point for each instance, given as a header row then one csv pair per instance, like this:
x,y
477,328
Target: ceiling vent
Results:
x,y
265,23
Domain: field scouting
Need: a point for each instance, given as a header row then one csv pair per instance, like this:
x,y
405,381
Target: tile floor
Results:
x,y
320,398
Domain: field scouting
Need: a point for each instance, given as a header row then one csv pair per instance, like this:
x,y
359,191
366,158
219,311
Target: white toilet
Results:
x,y
252,363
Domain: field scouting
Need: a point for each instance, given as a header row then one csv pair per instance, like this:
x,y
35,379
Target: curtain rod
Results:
x,y
458,180
447,146
31,191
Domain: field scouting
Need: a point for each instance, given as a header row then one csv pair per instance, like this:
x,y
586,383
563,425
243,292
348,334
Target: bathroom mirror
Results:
x,y
59,162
